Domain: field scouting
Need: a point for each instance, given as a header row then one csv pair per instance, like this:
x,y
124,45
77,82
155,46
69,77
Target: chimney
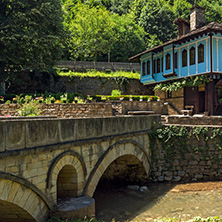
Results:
x,y
183,26
197,17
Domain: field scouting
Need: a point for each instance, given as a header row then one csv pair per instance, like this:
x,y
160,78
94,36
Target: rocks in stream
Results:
x,y
142,189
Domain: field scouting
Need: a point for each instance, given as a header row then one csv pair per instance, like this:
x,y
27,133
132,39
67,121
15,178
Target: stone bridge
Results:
x,y
42,160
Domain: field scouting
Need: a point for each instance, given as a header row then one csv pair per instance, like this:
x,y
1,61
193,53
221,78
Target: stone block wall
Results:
x,y
111,108
156,106
174,99
9,109
199,160
64,110
193,120
29,82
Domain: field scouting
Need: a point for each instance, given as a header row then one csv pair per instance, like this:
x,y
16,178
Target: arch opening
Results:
x,y
124,170
67,183
113,197
13,213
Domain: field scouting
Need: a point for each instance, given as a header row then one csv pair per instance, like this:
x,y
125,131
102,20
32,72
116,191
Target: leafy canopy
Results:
x,y
91,31
30,35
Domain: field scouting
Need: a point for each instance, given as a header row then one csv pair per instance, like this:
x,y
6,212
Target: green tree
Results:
x,y
181,8
30,35
213,10
91,32
130,38
157,19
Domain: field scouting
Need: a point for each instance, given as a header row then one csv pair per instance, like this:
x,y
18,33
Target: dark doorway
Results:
x,y
191,95
202,101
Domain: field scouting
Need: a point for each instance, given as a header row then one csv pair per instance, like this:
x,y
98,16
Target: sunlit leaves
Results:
x,y
91,32
31,35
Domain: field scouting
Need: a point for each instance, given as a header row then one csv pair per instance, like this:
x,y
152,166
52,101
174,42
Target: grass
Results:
x,y
94,73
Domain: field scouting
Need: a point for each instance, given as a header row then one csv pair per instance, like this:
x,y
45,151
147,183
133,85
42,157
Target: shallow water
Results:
x,y
184,201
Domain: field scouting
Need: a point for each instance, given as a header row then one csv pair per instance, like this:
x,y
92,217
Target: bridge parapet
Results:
x,y
43,161
23,134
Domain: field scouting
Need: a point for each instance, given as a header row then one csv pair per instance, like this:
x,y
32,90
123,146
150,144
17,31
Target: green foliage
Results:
x,y
31,36
46,97
91,31
130,26
119,75
185,82
116,92
153,41
129,37
125,98
30,107
151,18
174,140
213,10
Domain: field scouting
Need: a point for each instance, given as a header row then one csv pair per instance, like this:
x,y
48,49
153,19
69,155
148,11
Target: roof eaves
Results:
x,y
211,27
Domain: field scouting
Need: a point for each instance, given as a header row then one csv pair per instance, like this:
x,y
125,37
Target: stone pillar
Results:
x,y
197,17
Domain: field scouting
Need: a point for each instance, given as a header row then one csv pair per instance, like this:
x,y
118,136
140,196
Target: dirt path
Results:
x,y
197,186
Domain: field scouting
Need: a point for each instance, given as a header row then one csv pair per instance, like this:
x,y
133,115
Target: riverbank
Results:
x,y
162,200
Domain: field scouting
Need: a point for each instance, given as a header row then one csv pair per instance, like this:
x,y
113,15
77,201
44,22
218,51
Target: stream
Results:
x,y
184,201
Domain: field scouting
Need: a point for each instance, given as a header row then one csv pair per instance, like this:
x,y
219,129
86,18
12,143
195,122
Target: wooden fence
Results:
x,y
102,66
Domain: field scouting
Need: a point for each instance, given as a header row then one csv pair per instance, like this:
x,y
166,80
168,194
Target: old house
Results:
x,y
196,51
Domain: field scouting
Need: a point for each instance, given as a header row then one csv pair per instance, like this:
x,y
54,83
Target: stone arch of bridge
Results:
x,y
20,203
120,148
62,164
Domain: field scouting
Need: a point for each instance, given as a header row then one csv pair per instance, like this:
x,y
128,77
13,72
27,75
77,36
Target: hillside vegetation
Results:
x,y
36,34
94,73
124,28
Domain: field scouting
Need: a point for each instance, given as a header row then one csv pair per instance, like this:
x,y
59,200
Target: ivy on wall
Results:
x,y
176,141
186,82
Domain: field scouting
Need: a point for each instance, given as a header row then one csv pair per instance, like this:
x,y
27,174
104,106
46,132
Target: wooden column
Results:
x,y
210,98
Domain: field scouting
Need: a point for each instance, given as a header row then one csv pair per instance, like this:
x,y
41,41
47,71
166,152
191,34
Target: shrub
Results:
x,y
116,92
29,108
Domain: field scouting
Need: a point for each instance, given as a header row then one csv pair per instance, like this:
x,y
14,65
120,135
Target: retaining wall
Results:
x,y
89,109
64,110
175,100
199,159
31,82
194,120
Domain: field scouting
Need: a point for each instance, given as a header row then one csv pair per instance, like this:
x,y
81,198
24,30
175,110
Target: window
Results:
x,y
143,69
158,65
167,61
175,60
192,56
200,53
154,66
184,58
148,67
